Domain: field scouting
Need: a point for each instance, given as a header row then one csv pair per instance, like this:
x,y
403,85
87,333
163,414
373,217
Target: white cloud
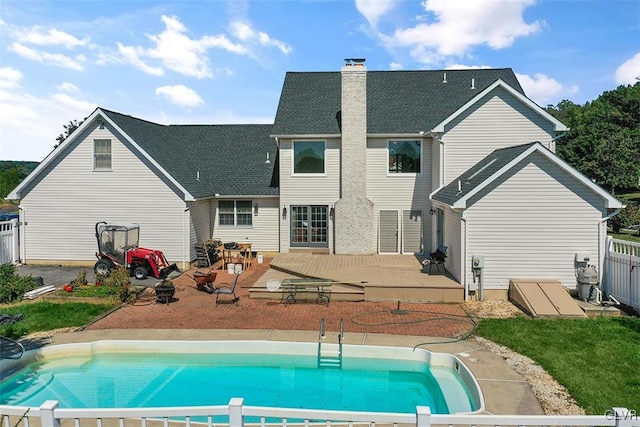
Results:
x,y
132,55
180,95
30,124
456,27
395,66
46,58
244,32
373,10
629,71
68,87
38,36
9,78
175,50
543,89
466,67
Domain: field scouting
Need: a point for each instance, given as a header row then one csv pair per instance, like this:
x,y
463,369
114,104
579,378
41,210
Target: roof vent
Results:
x,y
473,83
444,77
267,161
198,176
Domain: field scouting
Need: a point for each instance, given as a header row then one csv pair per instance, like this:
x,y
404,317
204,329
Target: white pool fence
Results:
x,y
9,242
621,278
49,415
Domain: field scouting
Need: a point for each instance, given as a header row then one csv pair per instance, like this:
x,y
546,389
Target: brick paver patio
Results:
x,y
193,309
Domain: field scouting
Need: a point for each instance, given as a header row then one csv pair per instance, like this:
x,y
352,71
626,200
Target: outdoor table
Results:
x,y
293,286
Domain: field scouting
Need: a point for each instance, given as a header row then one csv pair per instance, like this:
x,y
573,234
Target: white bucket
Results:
x,y
260,259
238,268
231,268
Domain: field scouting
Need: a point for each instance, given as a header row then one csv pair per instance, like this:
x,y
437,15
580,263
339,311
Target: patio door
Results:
x,y
309,226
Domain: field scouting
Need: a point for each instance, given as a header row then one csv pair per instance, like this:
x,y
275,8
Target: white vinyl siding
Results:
x,y
307,190
454,242
201,220
264,233
397,191
531,223
62,209
497,121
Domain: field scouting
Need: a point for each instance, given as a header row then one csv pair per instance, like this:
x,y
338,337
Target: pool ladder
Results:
x,y
11,355
330,357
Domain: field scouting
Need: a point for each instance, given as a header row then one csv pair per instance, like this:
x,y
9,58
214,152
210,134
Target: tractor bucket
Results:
x,y
170,272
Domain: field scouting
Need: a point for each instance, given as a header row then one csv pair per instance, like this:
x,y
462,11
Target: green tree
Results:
x,y
604,137
68,130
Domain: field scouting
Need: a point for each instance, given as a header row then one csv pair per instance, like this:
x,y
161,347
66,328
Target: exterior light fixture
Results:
x,y
255,209
432,211
284,212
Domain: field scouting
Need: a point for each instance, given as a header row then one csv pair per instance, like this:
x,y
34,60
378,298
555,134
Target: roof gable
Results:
x,y
558,126
198,160
398,102
458,192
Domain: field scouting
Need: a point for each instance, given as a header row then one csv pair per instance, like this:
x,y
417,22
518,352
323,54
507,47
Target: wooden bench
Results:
x,y
294,286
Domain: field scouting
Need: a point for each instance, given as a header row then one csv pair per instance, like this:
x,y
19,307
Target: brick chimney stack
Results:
x,y
354,213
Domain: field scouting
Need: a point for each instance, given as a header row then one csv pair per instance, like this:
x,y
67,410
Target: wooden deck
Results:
x,y
364,277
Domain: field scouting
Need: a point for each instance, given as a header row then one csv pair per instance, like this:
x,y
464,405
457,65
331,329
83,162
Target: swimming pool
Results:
x,y
120,374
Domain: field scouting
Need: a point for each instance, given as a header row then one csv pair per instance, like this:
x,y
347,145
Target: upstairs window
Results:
x,y
235,212
405,156
309,157
102,154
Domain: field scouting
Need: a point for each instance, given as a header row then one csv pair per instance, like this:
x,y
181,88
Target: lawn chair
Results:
x,y
438,258
227,289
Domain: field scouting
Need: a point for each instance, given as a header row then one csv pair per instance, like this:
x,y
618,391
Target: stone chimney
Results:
x,y
354,214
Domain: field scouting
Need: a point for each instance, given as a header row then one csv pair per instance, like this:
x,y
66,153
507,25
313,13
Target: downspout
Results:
x,y
552,143
600,256
21,223
184,237
464,258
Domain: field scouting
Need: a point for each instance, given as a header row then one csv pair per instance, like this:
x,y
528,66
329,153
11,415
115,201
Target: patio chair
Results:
x,y
438,258
227,289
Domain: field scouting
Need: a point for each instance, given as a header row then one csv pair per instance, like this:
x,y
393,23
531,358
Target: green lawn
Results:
x,y
597,360
46,316
625,236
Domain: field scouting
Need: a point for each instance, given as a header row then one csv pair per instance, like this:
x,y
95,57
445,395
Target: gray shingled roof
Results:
x,y
479,173
230,159
397,101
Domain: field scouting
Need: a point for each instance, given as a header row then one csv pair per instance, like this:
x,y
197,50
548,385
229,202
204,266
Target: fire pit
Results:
x,y
164,291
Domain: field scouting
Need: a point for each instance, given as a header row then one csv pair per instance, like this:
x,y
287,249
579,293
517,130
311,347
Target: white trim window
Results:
x,y
405,157
309,157
102,154
235,213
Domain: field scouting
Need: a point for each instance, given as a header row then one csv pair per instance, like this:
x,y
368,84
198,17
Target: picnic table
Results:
x,y
293,286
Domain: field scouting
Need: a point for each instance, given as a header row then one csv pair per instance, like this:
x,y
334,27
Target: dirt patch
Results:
x,y
493,309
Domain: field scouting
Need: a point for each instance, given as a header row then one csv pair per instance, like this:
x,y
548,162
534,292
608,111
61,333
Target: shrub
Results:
x,y
12,285
120,283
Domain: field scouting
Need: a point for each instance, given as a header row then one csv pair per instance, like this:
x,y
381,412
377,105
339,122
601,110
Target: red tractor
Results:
x,y
118,247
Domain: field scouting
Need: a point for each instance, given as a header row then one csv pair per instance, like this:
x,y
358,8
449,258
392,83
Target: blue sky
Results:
x,y
179,62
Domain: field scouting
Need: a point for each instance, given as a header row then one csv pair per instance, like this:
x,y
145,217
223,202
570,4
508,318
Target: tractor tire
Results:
x,y
140,272
103,267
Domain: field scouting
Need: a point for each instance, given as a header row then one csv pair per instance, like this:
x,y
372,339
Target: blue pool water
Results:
x,y
118,380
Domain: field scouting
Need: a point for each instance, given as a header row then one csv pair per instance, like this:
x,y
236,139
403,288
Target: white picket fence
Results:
x,y
9,242
49,415
621,278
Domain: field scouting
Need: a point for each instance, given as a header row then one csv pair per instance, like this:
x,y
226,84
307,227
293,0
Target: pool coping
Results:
x,y
505,391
